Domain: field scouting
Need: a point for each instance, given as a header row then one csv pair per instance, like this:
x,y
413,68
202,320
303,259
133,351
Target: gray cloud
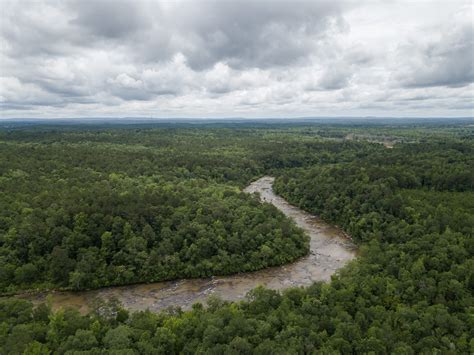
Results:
x,y
232,57
446,61
255,33
110,18
34,30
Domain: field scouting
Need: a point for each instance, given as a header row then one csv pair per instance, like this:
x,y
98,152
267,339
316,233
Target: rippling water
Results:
x,y
329,251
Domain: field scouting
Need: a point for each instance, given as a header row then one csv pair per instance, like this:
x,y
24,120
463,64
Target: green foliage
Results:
x,y
167,208
409,208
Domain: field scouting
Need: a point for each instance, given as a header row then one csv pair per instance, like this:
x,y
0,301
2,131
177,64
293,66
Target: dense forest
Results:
x,y
87,207
85,214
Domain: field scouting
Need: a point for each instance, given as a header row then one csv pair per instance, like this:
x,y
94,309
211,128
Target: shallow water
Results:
x,y
329,251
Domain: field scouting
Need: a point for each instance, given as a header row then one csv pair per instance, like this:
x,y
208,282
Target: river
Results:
x,y
329,251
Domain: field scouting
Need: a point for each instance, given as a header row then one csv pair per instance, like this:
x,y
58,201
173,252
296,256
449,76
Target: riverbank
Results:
x,y
329,251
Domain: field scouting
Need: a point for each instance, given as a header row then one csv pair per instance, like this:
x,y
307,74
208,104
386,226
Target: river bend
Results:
x,y
329,251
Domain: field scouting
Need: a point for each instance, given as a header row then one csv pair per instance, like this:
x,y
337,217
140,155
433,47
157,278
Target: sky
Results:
x,y
236,58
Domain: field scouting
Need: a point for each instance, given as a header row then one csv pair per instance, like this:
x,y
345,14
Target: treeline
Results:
x,y
86,209
410,290
117,230
121,230
365,194
412,209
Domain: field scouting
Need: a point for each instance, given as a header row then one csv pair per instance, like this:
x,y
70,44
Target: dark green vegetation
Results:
x,y
409,208
99,208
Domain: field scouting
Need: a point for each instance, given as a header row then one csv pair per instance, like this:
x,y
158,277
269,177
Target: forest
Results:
x,y
91,206
92,214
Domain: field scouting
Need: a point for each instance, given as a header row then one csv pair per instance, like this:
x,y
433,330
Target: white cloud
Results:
x,y
235,57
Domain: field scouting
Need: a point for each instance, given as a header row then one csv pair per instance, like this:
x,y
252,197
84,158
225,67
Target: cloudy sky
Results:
x,y
236,58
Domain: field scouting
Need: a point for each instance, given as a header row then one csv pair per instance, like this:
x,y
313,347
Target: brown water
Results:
x,y
330,250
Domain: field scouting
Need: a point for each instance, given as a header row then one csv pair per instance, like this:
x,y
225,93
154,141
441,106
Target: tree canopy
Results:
x,y
87,207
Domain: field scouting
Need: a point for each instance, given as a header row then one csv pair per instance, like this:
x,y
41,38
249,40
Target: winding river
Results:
x,y
329,251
